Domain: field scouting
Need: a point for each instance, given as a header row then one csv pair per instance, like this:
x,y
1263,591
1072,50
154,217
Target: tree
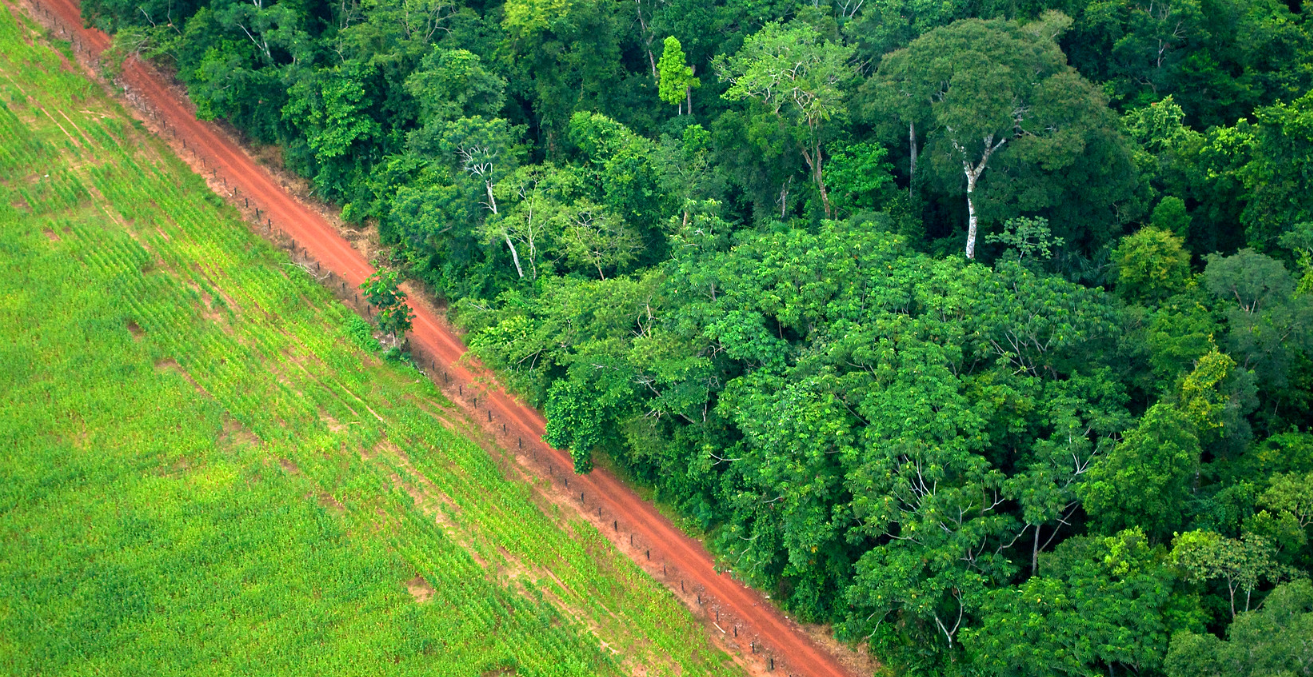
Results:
x,y
676,81
1268,323
451,84
1086,414
687,172
1300,243
394,314
1170,215
1146,480
1138,47
332,109
883,26
568,52
858,176
533,197
1291,493
1277,173
1271,641
798,77
1028,238
1239,563
1101,605
484,150
986,87
623,170
574,422
590,236
1151,265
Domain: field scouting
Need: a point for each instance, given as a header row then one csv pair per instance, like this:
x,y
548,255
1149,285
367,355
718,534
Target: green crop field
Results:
x,y
205,469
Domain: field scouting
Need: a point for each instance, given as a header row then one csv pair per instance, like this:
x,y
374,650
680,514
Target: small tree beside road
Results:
x,y
394,315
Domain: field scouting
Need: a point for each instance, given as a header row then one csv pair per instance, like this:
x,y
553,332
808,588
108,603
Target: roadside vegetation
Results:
x,y
207,468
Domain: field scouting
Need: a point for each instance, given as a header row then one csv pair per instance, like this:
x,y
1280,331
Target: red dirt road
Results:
x,y
687,565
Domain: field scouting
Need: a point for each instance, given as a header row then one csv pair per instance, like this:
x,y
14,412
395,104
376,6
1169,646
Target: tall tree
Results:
x,y
798,76
985,88
675,82
1271,641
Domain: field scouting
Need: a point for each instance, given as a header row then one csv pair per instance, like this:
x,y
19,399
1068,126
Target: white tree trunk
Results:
x,y
492,205
971,216
515,256
911,174
973,173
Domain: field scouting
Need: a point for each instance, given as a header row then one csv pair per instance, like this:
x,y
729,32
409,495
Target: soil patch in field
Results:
x,y
419,589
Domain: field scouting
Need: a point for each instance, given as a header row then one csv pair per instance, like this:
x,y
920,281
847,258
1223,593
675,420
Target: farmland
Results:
x,y
207,469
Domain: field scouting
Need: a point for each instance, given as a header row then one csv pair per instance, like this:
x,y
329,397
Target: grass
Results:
x,y
204,469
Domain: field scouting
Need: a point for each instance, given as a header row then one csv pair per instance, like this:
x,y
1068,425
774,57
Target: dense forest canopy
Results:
x,y
979,329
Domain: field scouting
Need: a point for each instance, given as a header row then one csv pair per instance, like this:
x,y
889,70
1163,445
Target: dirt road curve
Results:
x,y
741,611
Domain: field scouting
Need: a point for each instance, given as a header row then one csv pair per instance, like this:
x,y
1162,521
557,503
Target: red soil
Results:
x,y
689,570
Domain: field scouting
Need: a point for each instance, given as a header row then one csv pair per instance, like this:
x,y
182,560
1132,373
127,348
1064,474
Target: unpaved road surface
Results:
x,y
741,616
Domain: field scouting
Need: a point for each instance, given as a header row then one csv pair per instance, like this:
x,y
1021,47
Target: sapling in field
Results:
x,y
394,315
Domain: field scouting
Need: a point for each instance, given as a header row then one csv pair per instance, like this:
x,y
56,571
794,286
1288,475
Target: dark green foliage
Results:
x,y
756,301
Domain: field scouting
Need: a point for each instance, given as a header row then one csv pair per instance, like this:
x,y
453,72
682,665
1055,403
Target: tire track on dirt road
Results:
x,y
777,642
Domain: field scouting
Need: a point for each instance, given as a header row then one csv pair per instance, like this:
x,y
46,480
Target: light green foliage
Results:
x,y
362,334
1270,641
1160,127
202,463
675,75
530,201
591,237
858,176
1099,606
1028,238
1240,564
1293,494
1151,265
798,76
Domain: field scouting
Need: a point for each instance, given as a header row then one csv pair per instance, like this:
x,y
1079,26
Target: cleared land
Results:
x,y
205,470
